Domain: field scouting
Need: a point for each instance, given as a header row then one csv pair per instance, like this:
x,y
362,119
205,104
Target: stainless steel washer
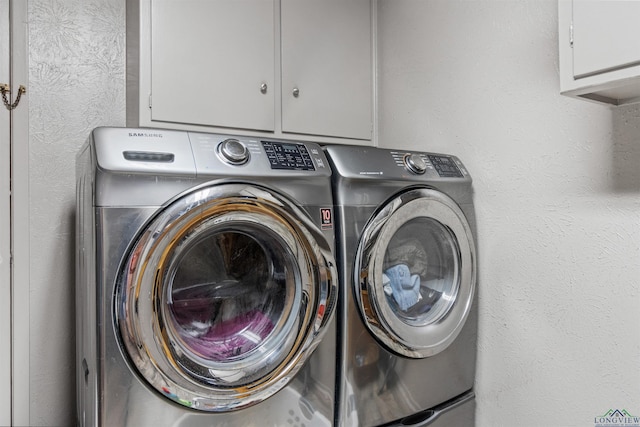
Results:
x,y
407,265
206,281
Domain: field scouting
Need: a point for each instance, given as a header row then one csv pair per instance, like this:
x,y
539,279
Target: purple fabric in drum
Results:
x,y
231,338
193,310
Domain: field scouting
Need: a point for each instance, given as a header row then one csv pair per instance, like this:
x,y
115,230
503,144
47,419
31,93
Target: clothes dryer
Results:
x,y
407,266
206,281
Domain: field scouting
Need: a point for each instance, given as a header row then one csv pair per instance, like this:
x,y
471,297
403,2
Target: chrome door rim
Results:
x,y
141,313
401,337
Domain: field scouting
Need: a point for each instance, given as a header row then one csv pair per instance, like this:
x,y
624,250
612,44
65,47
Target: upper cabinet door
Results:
x,y
599,50
327,67
606,35
212,63
279,68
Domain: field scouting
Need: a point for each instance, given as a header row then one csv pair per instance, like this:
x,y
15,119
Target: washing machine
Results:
x,y
407,266
206,281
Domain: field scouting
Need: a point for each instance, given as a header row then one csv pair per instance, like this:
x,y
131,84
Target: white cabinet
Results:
x,y
279,68
599,44
210,60
326,67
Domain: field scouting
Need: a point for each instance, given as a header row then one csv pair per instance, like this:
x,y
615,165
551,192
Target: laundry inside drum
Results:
x,y
420,277
227,294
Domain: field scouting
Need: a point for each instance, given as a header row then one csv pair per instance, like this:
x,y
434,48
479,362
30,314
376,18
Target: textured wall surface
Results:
x,y
557,191
76,82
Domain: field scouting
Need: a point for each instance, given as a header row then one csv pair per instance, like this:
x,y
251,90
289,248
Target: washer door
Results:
x,y
415,273
224,296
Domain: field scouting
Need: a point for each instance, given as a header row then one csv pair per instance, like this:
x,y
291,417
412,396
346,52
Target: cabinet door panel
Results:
x,y
209,60
326,55
606,35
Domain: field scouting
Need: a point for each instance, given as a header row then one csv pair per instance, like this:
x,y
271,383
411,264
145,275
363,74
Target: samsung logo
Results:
x,y
146,135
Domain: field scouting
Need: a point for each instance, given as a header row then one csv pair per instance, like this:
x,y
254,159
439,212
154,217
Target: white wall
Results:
x,y
557,191
76,82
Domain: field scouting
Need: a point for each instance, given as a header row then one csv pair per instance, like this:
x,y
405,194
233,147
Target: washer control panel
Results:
x,y
253,156
288,155
192,154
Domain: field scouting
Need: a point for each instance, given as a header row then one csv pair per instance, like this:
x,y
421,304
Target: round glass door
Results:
x,y
224,296
415,273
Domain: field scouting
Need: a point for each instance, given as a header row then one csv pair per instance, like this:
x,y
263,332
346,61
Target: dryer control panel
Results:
x,y
443,165
393,164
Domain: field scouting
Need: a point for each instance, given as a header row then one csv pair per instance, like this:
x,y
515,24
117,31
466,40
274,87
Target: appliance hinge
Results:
x,y
571,35
149,101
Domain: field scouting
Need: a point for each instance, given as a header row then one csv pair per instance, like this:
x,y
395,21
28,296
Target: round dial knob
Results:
x,y
415,163
233,151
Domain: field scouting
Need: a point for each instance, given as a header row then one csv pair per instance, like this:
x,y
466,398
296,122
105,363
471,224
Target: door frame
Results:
x,y
5,223
20,230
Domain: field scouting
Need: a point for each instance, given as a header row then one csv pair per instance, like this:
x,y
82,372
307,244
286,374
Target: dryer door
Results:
x,y
224,295
415,273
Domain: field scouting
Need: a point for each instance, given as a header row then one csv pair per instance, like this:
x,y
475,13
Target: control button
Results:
x,y
233,151
415,163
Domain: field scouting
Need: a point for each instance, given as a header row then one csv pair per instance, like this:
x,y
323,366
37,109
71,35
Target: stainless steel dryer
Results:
x,y
407,266
206,281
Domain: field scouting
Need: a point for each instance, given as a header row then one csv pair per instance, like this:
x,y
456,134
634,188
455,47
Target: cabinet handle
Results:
x,y
296,92
263,88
